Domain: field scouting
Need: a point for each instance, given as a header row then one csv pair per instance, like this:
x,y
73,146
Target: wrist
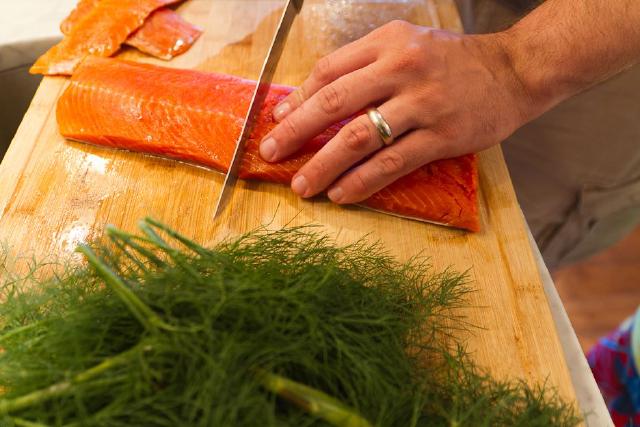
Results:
x,y
523,90
546,78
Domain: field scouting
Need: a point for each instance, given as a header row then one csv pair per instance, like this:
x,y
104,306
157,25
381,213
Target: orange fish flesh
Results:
x,y
197,116
101,32
164,34
80,11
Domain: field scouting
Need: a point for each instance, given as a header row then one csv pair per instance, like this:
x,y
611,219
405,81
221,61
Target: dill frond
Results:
x,y
277,328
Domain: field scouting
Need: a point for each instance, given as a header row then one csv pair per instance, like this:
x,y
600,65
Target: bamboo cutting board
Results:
x,y
55,193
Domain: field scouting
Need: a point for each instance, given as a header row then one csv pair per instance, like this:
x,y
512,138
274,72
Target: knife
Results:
x,y
291,9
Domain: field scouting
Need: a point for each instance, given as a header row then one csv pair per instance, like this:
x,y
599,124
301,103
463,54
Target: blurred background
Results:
x,y
29,27
602,291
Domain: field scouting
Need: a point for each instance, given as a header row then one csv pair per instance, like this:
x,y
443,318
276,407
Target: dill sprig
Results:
x,y
275,328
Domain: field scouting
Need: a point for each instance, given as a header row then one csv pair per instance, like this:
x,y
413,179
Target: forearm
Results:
x,y
566,46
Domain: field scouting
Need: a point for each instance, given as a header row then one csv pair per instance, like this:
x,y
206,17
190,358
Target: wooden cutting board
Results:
x,y
55,193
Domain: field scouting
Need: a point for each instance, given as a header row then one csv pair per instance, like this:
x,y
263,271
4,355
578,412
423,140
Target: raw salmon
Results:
x,y
164,34
100,32
80,11
197,117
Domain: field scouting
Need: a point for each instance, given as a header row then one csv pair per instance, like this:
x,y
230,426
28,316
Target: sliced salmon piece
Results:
x,y
197,116
80,11
100,32
164,34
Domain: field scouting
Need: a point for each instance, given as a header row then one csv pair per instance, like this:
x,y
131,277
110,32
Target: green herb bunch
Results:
x,y
271,329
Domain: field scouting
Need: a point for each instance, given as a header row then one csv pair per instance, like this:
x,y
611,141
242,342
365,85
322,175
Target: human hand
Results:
x,y
442,94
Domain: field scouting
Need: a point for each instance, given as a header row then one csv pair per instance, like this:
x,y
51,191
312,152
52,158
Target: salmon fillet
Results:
x,y
101,31
164,34
197,116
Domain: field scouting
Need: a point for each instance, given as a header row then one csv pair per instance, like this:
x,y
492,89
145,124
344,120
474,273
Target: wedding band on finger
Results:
x,y
381,125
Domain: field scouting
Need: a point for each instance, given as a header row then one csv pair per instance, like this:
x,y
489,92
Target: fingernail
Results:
x,y
281,111
336,194
299,185
268,149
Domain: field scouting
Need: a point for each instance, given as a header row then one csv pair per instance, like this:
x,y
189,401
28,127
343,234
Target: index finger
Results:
x,y
331,104
349,58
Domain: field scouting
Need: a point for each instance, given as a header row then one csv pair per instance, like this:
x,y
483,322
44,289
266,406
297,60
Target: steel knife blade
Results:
x,y
291,9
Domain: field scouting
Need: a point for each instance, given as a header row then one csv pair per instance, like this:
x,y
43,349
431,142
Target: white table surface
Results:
x,y
587,392
28,20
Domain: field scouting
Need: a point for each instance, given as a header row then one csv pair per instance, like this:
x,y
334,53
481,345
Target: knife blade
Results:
x,y
291,9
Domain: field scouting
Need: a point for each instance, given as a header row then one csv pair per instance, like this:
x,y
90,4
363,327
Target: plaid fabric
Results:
x,y
613,363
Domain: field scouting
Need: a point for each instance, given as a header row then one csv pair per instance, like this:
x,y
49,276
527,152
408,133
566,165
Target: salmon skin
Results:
x,y
101,31
164,34
197,116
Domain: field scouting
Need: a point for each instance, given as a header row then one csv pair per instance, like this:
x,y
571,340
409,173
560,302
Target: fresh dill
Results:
x,y
277,328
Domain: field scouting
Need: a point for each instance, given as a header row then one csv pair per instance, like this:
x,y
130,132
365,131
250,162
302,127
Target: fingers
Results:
x,y
409,153
331,104
347,59
354,142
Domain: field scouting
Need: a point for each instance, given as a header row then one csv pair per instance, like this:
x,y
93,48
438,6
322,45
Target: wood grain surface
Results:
x,y
55,193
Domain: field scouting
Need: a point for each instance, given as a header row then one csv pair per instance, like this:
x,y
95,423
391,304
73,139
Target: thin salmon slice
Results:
x,y
80,11
164,34
101,32
197,116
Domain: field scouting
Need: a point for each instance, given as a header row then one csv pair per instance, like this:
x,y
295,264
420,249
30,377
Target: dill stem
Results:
x,y
129,240
139,309
26,423
38,396
312,400
20,329
179,237
174,253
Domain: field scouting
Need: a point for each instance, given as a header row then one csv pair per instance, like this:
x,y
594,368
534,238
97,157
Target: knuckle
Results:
x,y
331,99
317,170
289,127
415,51
297,97
440,147
359,183
397,25
394,29
436,101
357,136
406,60
391,162
323,70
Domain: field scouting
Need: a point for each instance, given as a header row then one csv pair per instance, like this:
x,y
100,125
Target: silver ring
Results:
x,y
381,124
